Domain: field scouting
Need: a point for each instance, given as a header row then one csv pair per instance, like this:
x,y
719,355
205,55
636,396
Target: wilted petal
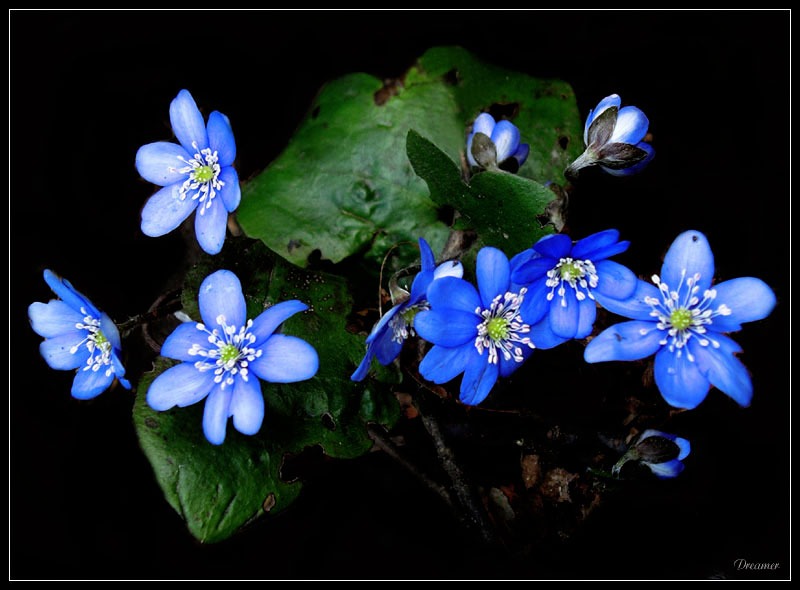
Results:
x,y
631,126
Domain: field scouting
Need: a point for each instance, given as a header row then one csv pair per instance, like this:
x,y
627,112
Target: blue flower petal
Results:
x,y
543,336
519,259
484,123
363,367
110,331
522,153
534,303
554,246
89,384
216,412
220,294
420,286
508,366
628,341
633,307
584,248
231,191
247,405
608,251
57,353
564,314
442,364
505,137
180,342
382,324
680,381
69,294
210,226
386,348
614,280
119,371
748,298
449,268
446,327
426,255
53,318
161,161
532,270
220,138
666,470
688,255
268,320
285,359
187,122
586,316
493,274
722,368
181,385
479,378
683,445
609,101
165,211
453,293
631,126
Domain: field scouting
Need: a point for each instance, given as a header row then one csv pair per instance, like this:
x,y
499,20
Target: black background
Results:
x,y
88,88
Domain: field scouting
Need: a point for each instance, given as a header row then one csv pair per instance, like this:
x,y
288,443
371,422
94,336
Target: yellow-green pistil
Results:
x,y
228,353
497,328
203,174
409,314
680,318
571,272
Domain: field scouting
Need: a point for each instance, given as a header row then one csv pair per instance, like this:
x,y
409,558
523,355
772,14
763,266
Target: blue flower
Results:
x,y
662,452
500,142
197,174
613,139
681,320
479,333
564,280
385,341
77,335
225,356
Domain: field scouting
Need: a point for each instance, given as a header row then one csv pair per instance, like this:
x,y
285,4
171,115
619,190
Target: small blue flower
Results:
x,y
681,320
662,452
564,280
225,356
77,335
385,341
504,143
613,139
479,333
197,174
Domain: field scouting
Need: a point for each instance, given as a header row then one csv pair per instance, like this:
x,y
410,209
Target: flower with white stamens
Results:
x,y
681,319
223,353
197,173
78,336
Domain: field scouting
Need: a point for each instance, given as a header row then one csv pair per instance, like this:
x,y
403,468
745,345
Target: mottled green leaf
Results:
x,y
344,186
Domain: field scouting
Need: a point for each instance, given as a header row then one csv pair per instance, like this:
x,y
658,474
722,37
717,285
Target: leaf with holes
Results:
x,y
219,489
344,185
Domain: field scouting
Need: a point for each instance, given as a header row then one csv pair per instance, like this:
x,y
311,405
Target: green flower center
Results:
x,y
203,174
571,271
100,338
680,318
228,353
409,314
497,328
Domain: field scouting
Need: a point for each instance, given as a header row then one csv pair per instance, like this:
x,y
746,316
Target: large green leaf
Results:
x,y
344,185
219,489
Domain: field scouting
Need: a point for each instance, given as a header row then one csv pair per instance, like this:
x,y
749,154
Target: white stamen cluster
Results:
x,y
206,188
230,354
97,344
502,327
691,314
580,275
401,328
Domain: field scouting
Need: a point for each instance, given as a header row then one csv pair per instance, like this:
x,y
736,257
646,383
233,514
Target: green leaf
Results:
x,y
220,489
344,186
503,208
